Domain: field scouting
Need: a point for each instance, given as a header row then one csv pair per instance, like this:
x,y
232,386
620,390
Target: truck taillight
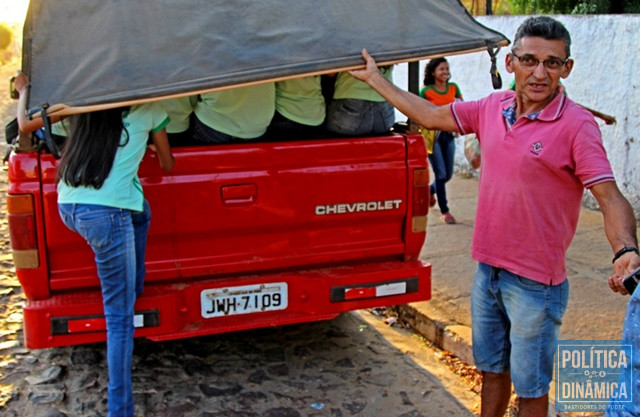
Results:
x,y
22,231
420,199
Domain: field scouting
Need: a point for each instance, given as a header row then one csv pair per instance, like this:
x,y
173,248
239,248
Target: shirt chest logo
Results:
x,y
536,148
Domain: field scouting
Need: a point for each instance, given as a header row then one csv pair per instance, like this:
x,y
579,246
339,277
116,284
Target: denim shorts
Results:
x,y
515,323
354,117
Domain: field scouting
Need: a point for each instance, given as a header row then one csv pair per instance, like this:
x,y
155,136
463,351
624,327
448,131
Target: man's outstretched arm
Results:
x,y
416,108
620,228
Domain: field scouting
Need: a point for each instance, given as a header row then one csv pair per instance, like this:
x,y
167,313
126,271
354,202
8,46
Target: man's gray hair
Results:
x,y
543,27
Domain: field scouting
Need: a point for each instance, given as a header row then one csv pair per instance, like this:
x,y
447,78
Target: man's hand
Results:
x,y
615,283
623,266
370,70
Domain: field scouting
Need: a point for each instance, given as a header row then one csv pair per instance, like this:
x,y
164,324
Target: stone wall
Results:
x,y
606,53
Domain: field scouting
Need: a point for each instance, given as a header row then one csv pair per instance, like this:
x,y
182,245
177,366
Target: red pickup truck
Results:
x,y
244,235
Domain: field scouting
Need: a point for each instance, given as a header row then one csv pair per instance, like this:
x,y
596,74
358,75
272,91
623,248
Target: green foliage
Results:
x,y
574,6
505,7
543,6
479,7
632,6
592,7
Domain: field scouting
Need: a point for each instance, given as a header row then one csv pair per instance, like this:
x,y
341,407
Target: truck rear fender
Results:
x,y
24,217
418,185
22,231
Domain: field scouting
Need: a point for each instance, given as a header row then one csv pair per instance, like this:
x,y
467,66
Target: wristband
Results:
x,y
623,251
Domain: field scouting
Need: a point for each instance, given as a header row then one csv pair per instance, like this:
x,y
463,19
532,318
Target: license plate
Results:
x,y
220,302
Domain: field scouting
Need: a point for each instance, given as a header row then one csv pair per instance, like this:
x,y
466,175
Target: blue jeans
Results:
x,y
205,134
515,323
631,332
283,128
118,239
359,117
441,160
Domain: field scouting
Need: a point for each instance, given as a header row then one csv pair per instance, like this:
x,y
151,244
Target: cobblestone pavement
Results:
x,y
337,368
344,367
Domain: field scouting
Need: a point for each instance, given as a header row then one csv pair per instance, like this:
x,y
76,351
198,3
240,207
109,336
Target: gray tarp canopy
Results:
x,y
88,53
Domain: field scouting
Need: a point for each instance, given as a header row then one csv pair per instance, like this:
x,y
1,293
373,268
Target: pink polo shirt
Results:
x,y
532,182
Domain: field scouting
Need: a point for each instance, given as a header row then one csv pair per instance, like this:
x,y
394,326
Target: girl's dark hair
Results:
x,y
91,148
428,71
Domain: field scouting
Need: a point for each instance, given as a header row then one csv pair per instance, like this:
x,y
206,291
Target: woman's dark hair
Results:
x,y
428,71
91,148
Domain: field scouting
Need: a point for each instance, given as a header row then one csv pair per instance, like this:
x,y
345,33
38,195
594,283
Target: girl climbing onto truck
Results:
x,y
100,198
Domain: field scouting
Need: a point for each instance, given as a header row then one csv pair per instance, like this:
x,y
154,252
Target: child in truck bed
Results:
x,y
357,109
234,115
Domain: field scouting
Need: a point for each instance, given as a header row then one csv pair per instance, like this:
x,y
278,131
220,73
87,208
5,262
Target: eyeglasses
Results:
x,y
530,62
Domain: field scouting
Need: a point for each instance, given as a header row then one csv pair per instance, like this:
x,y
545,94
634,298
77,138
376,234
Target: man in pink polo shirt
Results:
x,y
540,151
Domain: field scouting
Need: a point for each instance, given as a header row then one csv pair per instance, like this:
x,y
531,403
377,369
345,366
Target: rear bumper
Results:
x,y
173,311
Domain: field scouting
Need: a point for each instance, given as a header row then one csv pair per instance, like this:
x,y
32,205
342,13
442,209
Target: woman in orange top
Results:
x,y
438,90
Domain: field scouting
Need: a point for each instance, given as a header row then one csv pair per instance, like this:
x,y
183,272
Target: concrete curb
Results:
x,y
454,338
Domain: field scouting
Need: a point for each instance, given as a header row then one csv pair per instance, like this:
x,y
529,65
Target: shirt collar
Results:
x,y
551,112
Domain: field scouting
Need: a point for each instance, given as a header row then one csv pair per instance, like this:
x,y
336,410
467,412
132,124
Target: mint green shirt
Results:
x,y
179,111
243,112
301,100
61,128
348,87
122,187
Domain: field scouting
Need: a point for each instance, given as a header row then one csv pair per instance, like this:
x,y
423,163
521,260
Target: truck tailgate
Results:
x,y
230,209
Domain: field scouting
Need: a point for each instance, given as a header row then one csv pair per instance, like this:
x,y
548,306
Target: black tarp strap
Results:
x,y
496,79
46,122
11,132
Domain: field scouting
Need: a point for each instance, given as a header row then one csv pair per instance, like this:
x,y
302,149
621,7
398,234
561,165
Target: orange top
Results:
x,y
440,98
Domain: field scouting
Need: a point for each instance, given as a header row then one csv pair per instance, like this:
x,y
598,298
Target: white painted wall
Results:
x,y
605,77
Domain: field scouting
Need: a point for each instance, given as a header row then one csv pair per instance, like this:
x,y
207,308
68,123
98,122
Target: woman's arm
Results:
x,y
162,148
